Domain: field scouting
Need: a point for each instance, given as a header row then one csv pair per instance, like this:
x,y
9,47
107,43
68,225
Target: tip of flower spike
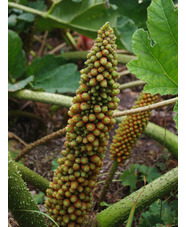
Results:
x,y
106,25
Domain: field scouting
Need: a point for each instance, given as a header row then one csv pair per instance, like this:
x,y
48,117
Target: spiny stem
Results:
x,y
44,97
107,183
149,107
66,101
32,178
164,137
116,214
19,198
39,142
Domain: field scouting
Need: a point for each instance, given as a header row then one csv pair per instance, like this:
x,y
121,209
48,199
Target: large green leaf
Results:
x,y
16,56
126,28
133,9
65,78
39,4
157,62
42,65
85,17
53,75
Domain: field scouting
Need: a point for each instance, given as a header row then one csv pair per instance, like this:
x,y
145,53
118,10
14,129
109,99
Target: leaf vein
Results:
x,y
161,66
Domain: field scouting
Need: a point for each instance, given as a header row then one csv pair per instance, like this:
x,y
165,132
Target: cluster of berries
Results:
x,y
70,193
131,129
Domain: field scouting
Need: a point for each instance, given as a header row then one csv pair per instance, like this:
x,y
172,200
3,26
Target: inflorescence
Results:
x,y
131,129
70,193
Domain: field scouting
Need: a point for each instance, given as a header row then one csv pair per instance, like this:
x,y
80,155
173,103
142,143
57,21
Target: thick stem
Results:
x,y
26,9
149,107
63,100
20,201
107,182
45,97
39,142
164,137
131,84
32,178
116,214
82,55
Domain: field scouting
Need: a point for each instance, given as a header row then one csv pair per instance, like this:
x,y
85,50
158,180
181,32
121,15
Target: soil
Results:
x,y
29,129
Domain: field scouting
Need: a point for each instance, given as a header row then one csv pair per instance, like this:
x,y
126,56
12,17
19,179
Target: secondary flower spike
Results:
x,y
131,129
70,193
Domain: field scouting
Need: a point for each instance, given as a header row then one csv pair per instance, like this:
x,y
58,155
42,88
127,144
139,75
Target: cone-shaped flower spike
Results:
x,y
70,193
131,129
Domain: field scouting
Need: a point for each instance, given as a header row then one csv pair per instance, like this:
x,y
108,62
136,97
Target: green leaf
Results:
x,y
16,56
39,5
151,217
39,198
176,116
169,214
157,62
20,85
126,28
133,10
129,178
150,173
52,75
40,66
141,168
65,78
28,17
85,17
23,2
